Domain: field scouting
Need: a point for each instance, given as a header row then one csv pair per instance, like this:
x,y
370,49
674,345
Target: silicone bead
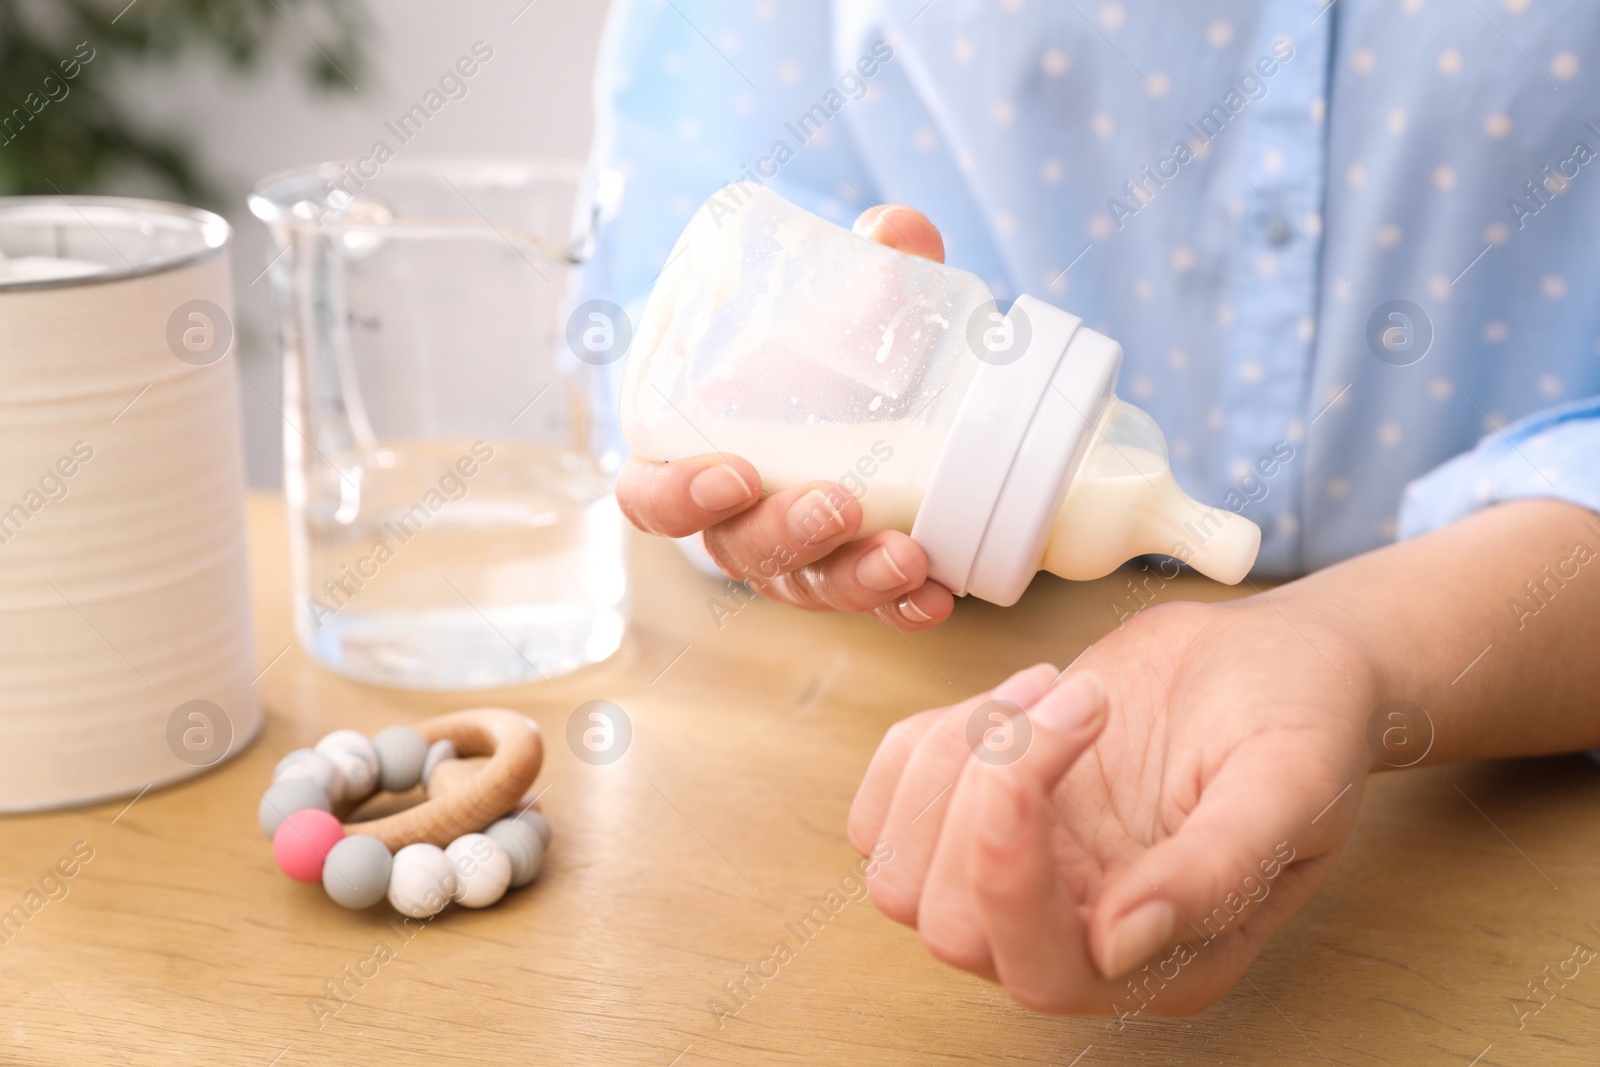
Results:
x,y
283,799
401,751
287,761
421,881
307,763
356,760
529,811
302,843
524,845
356,874
483,869
437,753
541,824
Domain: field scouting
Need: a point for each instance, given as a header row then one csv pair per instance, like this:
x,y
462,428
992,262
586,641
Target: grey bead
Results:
x,y
437,752
520,837
539,823
401,752
356,872
295,756
283,799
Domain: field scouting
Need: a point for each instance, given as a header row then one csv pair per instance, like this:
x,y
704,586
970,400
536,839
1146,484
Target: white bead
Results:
x,y
306,763
357,761
421,881
401,751
521,838
438,752
483,870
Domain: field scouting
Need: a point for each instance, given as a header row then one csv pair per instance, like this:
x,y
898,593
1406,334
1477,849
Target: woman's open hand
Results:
x,y
1185,788
795,546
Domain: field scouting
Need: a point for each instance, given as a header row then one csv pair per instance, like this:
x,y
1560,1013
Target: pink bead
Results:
x,y
302,843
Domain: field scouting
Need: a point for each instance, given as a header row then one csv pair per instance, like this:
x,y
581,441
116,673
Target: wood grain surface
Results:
x,y
175,940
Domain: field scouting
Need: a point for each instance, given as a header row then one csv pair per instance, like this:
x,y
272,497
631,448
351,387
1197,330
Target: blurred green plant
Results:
x,y
66,125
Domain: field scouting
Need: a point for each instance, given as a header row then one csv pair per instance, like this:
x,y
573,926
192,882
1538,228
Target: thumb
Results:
x,y
1253,820
903,228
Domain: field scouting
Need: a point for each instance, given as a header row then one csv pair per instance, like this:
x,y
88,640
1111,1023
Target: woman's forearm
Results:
x,y
1491,626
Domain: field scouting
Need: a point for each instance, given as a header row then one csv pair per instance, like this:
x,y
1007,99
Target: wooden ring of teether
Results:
x,y
515,751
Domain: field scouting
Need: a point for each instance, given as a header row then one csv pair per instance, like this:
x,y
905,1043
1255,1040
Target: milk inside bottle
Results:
x,y
994,440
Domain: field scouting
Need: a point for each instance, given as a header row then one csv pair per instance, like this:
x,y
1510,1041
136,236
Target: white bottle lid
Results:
x,y
1018,435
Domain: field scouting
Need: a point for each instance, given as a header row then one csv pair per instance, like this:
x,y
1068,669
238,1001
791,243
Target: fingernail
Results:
x,y
1026,686
1072,702
1137,936
869,220
813,518
1002,811
877,571
719,488
909,609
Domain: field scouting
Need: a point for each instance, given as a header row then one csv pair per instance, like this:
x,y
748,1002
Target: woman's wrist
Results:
x,y
1349,597
1436,620
1330,623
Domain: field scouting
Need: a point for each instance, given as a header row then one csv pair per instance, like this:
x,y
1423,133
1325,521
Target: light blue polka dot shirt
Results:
x,y
1352,252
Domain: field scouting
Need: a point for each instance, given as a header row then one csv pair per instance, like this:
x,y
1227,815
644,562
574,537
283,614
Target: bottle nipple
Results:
x,y
1123,502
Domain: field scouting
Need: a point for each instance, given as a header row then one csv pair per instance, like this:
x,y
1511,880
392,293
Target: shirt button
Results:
x,y
1278,232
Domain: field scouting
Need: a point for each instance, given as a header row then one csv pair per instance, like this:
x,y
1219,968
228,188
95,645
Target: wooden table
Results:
x,y
673,868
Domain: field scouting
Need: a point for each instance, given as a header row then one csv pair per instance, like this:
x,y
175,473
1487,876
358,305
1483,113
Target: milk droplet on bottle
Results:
x,y
994,440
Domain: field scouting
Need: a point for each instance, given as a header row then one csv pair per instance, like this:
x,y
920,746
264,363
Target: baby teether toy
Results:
x,y
475,836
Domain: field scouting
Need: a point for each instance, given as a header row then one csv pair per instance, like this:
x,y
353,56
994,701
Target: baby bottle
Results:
x,y
995,441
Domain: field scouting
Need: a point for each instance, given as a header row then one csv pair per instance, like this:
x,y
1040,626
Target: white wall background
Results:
x,y
533,97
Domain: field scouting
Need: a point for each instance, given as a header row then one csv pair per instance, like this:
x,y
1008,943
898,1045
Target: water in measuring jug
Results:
x,y
448,498
460,564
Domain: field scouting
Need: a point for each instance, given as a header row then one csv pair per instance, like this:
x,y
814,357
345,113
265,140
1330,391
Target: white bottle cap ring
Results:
x,y
1018,435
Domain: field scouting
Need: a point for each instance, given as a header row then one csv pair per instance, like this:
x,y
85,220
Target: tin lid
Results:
x,y
59,241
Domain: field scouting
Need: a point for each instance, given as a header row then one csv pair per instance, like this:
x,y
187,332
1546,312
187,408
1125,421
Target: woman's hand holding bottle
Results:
x,y
795,546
